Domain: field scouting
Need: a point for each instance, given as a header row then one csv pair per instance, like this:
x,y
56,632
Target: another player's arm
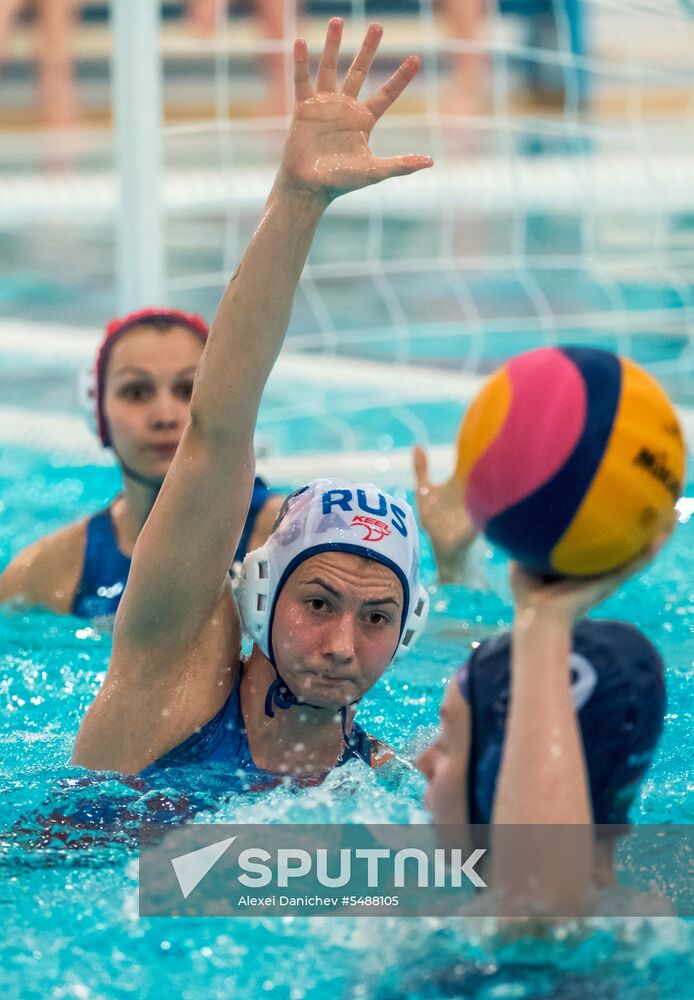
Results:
x,y
543,777
444,518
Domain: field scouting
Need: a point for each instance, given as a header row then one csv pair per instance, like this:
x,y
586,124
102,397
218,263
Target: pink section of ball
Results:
x,y
543,424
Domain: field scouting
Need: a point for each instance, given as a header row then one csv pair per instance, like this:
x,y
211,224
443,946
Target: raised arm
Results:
x,y
543,780
182,557
443,516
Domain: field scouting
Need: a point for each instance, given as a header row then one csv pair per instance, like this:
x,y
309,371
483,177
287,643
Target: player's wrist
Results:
x,y
534,618
451,562
306,198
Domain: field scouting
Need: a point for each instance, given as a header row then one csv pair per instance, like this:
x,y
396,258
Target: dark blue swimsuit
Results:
x,y
220,747
105,569
223,741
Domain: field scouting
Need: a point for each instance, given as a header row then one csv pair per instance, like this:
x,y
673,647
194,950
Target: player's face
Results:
x,y
149,381
445,763
336,627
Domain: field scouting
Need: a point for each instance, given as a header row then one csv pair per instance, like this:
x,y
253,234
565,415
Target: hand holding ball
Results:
x,y
571,459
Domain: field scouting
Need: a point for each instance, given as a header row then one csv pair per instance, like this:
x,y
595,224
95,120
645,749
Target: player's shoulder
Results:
x,y
47,571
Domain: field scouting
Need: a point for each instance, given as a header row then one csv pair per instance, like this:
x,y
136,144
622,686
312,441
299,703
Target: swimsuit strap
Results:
x,y
105,568
258,498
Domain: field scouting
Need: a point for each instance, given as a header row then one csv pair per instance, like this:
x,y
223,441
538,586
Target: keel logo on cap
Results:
x,y
375,529
344,499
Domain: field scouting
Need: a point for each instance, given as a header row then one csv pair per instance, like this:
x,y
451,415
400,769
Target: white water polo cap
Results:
x,y
334,515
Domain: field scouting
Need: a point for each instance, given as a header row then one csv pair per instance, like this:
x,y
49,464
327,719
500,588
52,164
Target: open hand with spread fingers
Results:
x,y
327,151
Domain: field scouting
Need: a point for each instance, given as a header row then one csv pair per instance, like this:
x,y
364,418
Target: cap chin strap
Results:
x,y
279,696
152,484
350,741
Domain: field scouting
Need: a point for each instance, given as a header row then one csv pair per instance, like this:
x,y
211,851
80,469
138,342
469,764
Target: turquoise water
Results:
x,y
69,894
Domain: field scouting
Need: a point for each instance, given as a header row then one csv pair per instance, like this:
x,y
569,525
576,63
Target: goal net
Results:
x,y
560,208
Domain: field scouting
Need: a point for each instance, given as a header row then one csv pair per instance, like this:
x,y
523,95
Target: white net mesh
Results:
x,y
560,209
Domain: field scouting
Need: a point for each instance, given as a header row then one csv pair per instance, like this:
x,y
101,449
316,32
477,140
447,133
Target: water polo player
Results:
x,y
337,590
557,721
554,723
138,393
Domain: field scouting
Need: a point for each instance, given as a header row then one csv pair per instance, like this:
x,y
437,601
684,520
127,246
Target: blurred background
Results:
x,y
139,142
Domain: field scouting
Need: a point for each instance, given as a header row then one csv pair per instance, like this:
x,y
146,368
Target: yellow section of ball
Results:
x,y
636,485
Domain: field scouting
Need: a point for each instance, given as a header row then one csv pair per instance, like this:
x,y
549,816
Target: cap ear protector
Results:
x,y
255,606
415,623
91,382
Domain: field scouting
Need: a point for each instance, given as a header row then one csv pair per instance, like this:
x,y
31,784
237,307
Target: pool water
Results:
x,y
70,893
